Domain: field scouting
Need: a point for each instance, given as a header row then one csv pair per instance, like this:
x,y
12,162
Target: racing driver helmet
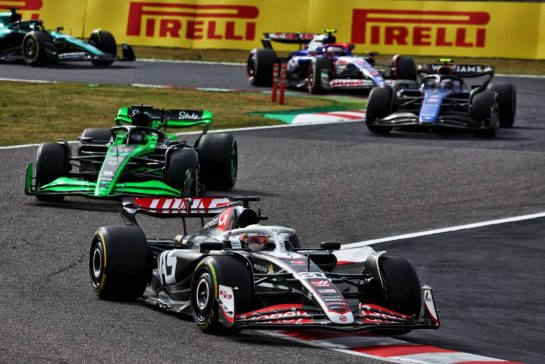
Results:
x,y
254,241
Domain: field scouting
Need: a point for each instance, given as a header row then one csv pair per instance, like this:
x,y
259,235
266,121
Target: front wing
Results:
x,y
367,317
79,187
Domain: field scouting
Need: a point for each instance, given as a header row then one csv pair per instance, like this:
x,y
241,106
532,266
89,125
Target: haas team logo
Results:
x,y
420,27
228,22
23,6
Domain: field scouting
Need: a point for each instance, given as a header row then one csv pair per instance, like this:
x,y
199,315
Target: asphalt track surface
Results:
x,y
330,182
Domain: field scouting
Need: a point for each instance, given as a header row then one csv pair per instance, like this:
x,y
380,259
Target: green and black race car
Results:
x,y
29,41
138,158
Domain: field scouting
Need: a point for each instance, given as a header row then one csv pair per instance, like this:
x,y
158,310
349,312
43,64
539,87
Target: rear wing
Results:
x,y
147,116
459,70
288,38
193,207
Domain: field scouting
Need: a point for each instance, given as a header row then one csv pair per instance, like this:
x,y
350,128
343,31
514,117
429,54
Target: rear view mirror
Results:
x,y
330,245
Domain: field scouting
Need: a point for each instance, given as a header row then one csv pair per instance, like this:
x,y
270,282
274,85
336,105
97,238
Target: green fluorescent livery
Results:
x,y
134,158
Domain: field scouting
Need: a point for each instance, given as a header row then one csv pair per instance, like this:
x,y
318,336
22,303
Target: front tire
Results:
x,y
314,79
507,103
52,162
183,170
260,65
208,276
218,158
98,136
401,292
378,107
104,41
483,109
34,48
119,264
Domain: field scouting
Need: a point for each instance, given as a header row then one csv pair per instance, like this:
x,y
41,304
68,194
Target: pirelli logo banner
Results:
x,y
435,28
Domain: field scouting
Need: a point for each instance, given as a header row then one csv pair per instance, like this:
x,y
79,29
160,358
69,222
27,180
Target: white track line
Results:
x,y
232,130
445,230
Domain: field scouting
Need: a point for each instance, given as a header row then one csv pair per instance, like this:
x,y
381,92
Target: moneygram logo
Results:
x,y
23,6
211,22
420,28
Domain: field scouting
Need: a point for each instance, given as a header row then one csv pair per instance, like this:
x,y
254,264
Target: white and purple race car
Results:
x,y
235,273
324,64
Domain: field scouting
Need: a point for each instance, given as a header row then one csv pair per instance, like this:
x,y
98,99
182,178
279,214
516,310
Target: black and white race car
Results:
x,y
237,274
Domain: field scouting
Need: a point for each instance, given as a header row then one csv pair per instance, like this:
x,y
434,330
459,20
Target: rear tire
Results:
x,y
483,108
218,158
51,163
314,78
34,48
104,41
378,107
208,276
183,170
405,68
507,103
119,263
260,65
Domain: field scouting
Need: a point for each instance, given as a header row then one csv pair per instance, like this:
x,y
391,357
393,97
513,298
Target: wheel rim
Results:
x,y
310,79
202,294
96,265
250,69
30,48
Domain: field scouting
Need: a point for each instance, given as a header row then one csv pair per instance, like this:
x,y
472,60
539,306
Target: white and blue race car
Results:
x,y
444,99
324,64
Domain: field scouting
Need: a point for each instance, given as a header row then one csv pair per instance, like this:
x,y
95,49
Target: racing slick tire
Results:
x,y
209,274
507,103
119,263
34,48
218,158
484,108
51,163
104,41
314,79
98,136
401,292
183,171
260,65
378,107
404,68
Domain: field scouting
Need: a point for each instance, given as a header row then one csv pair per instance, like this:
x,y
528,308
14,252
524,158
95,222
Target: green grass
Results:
x,y
509,66
34,113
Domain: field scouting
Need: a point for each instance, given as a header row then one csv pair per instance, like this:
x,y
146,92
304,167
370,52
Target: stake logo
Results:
x,y
427,28
209,22
23,6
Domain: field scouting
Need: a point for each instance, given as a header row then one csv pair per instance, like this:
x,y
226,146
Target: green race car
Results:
x,y
29,41
137,157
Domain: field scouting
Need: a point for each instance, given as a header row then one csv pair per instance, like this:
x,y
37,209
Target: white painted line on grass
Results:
x,y
152,60
444,230
26,81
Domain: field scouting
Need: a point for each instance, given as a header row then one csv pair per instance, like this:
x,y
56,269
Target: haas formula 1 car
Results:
x,y
323,65
137,157
237,274
29,41
444,100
